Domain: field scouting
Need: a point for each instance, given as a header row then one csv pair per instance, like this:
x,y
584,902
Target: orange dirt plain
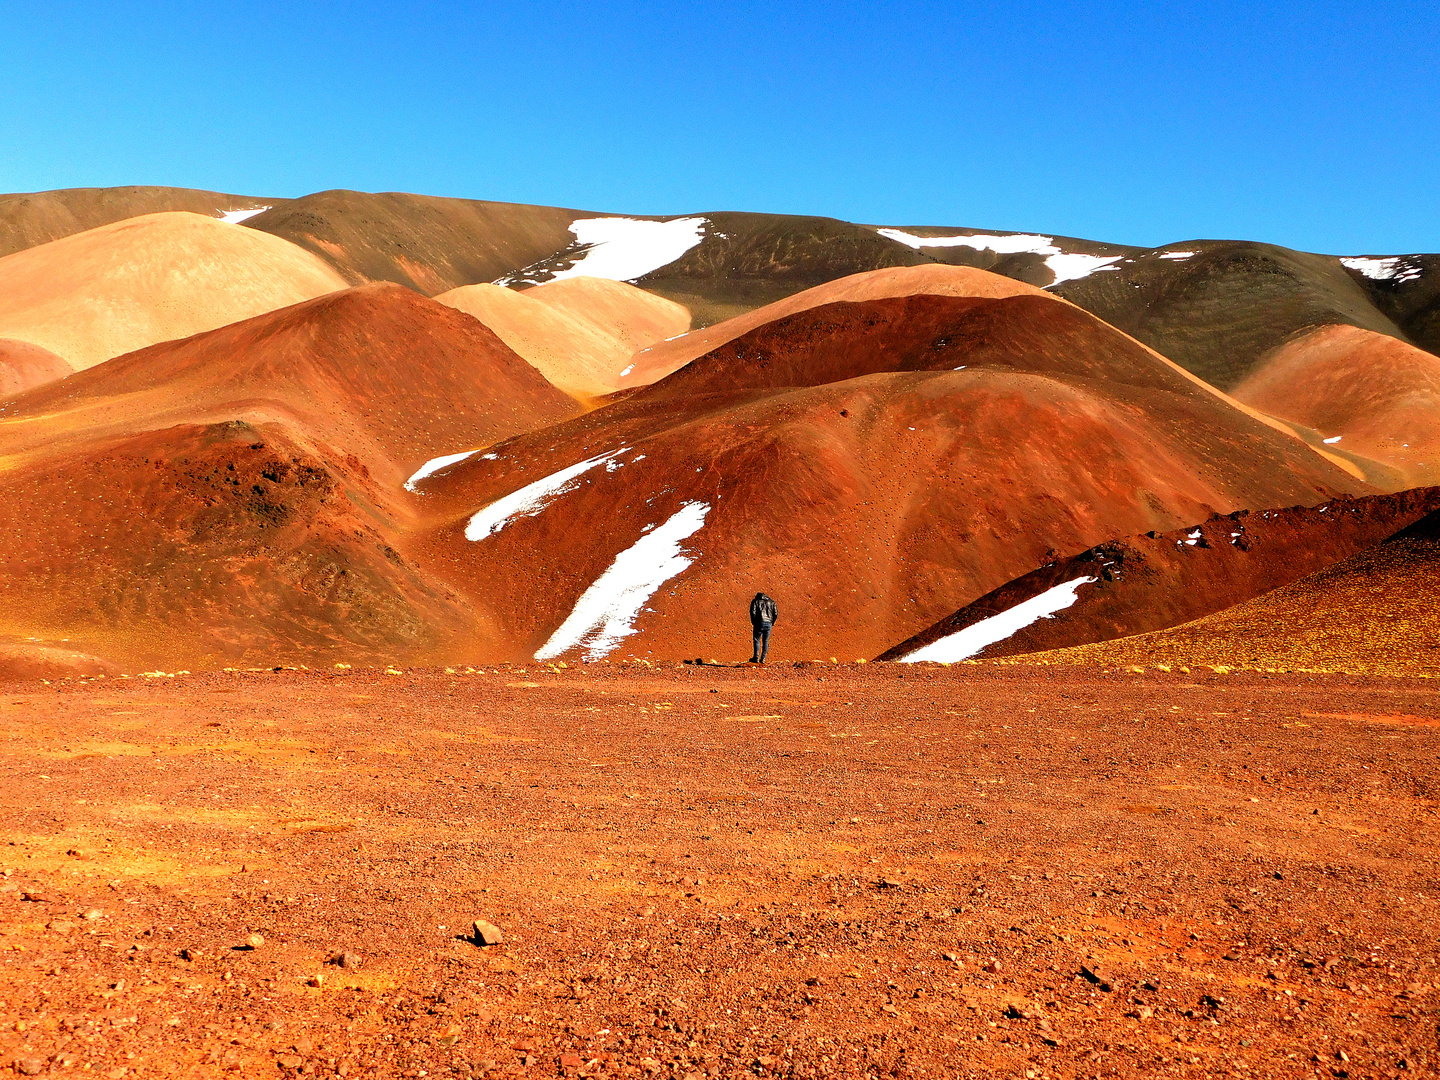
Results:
x,y
807,870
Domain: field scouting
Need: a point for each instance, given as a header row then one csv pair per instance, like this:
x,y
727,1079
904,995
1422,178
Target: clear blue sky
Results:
x,y
1312,125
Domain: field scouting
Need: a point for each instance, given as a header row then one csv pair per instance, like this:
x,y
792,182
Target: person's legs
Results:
x,y
755,652
764,649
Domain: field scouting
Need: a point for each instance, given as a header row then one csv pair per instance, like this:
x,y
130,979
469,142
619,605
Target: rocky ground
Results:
x,y
819,870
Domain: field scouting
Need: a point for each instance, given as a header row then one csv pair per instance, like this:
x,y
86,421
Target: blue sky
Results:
x,y
1137,123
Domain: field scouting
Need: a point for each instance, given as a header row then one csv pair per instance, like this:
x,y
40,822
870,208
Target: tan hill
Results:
x,y
873,465
579,332
23,366
1371,614
1159,580
931,279
121,287
1361,391
29,219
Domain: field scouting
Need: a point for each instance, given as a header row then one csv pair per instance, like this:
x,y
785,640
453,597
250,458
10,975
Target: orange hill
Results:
x,y
111,290
23,366
655,362
837,460
1380,396
579,332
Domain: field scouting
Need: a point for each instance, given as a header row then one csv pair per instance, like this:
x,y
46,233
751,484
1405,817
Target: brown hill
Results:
x,y
121,287
872,504
1368,393
426,243
657,361
579,332
1159,580
1216,307
29,219
23,365
1371,614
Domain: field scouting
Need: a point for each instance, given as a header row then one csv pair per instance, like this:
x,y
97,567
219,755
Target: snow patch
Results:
x,y
629,369
532,498
1332,439
234,217
606,611
1066,266
1178,256
434,465
965,643
622,249
1397,268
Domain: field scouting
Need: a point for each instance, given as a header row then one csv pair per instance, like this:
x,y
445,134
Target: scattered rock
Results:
x,y
487,933
29,1066
35,896
93,914
349,960
254,941
317,980
888,883
61,926
950,956
992,966
289,1061
570,1061
190,954
1092,974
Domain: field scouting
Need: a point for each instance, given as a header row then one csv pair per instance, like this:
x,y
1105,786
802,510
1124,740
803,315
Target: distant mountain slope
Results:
x,y
23,366
1159,580
29,219
427,243
121,287
1216,307
1364,392
1373,614
1406,289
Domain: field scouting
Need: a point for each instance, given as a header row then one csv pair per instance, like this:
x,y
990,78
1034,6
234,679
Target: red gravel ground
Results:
x,y
847,871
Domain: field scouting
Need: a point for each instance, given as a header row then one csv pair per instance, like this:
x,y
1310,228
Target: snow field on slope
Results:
x,y
1395,268
532,498
433,466
965,643
234,217
606,611
623,249
1066,266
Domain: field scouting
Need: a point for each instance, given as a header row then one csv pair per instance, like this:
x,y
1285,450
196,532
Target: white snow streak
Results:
x,y
605,612
1176,255
965,643
434,465
1332,439
1066,266
1394,268
623,249
532,498
234,217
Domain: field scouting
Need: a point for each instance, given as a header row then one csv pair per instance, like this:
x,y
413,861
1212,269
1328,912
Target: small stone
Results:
x,y
93,914
570,1061
487,933
350,960
303,1045
254,941
60,926
889,883
317,980
950,956
288,1061
992,966
1092,974
29,1066
190,954
35,896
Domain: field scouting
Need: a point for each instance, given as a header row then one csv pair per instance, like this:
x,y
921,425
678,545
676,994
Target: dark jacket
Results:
x,y
763,611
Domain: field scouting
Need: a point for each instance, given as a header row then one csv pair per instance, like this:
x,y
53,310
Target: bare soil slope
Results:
x,y
837,460
23,365
236,497
1379,396
657,361
121,287
427,243
1159,580
1373,613
831,871
29,219
579,332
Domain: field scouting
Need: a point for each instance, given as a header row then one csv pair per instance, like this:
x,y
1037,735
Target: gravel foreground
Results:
x,y
806,870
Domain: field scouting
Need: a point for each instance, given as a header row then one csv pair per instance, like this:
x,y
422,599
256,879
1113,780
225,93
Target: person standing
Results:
x,y
763,615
